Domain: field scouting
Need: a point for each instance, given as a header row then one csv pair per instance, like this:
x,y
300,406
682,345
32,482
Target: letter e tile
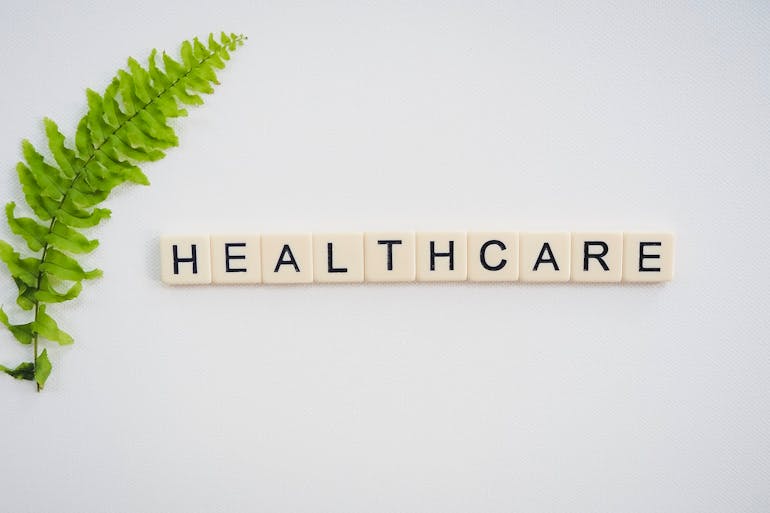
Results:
x,y
648,257
235,259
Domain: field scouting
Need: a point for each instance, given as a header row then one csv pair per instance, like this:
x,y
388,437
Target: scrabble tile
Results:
x,y
597,256
389,256
648,257
185,259
544,257
493,256
235,259
338,257
287,258
442,256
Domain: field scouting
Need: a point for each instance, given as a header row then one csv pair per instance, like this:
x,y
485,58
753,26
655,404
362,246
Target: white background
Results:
x,y
411,398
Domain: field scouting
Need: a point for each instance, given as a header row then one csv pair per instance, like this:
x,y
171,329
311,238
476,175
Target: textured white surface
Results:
x,y
414,397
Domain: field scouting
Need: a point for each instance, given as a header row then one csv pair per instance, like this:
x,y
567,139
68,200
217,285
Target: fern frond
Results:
x,y
125,126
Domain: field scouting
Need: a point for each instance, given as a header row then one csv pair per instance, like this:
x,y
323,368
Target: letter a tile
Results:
x,y
287,258
544,257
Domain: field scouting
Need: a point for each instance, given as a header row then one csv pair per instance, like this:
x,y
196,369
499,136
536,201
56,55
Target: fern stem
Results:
x,y
34,343
77,177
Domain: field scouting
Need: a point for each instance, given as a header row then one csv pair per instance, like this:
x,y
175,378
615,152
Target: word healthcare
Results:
x,y
409,256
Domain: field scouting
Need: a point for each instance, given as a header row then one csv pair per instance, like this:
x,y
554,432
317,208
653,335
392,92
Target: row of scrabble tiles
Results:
x,y
421,256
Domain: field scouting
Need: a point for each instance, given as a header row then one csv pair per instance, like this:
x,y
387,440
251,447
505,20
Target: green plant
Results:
x,y
124,127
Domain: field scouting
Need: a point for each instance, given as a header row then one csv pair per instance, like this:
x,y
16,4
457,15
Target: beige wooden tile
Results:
x,y
493,256
235,259
442,256
544,256
185,259
287,258
338,257
389,256
597,256
648,257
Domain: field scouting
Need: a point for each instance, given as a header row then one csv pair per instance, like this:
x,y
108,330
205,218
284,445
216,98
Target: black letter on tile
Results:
x,y
390,244
450,254
229,257
286,251
642,256
193,258
549,260
483,257
587,253
329,262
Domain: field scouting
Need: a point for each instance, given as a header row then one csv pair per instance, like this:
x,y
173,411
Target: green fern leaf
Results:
x,y
26,298
131,104
95,130
112,113
24,269
22,332
24,371
50,179
152,122
142,86
43,207
124,127
63,237
82,196
42,369
46,327
47,294
65,157
57,264
81,218
30,230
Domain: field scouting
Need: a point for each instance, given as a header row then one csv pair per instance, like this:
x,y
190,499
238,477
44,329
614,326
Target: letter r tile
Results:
x,y
597,256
